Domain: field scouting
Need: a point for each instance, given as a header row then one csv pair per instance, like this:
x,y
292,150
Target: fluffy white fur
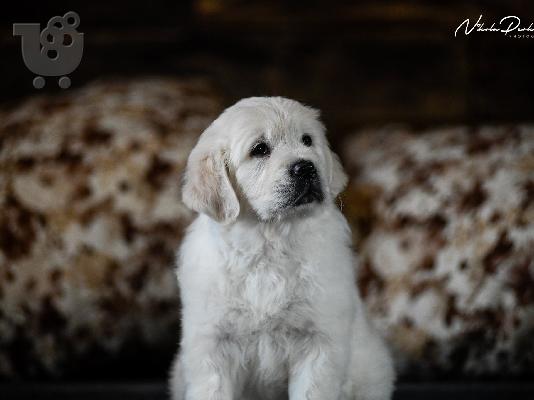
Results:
x,y
270,305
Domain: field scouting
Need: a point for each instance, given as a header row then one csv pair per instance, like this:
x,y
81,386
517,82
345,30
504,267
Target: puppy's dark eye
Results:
x,y
307,140
260,149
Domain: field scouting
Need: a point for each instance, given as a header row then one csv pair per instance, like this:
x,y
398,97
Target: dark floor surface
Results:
x,y
158,391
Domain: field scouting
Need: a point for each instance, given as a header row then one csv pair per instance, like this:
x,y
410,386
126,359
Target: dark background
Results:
x,y
362,63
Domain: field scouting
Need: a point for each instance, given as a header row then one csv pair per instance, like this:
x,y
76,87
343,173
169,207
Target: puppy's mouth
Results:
x,y
307,192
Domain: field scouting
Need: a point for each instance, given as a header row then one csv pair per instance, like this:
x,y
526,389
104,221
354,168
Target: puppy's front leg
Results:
x,y
317,374
209,371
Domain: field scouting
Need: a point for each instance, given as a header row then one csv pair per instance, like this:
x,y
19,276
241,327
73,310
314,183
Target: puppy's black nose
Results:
x,y
302,169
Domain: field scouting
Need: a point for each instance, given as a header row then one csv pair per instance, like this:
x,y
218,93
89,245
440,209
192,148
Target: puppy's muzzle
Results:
x,y
307,186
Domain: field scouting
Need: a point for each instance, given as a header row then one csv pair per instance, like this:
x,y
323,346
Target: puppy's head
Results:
x,y
265,154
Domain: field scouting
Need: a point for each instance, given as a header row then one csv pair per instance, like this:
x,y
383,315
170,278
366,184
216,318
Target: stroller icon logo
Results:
x,y
55,51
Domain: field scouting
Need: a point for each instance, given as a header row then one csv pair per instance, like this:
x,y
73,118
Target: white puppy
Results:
x,y
266,271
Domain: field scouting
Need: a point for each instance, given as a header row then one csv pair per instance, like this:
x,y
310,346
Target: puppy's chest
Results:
x,y
270,292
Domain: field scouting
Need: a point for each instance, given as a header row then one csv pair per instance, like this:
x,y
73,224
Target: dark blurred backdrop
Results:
x,y
363,62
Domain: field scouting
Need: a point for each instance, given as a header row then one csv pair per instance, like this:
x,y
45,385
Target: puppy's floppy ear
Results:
x,y
207,188
337,178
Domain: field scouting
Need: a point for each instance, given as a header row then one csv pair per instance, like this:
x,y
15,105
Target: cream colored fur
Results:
x,y
270,305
